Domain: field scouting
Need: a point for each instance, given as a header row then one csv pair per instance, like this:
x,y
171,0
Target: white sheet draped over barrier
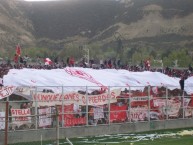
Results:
x,y
95,79
189,85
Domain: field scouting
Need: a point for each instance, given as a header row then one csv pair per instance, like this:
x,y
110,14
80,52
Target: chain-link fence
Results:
x,y
44,109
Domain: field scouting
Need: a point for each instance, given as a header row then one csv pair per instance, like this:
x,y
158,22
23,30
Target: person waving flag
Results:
x,y
18,50
47,61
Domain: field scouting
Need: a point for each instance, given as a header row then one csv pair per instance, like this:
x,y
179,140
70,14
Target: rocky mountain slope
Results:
x,y
137,23
15,27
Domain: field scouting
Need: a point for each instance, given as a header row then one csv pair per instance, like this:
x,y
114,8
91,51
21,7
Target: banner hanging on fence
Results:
x,y
173,108
188,112
170,107
74,121
69,116
6,91
118,113
138,114
140,100
52,99
45,117
98,113
2,120
21,116
24,91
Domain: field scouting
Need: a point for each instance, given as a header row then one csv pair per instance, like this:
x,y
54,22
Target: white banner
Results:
x,y
159,103
2,120
45,117
186,102
21,116
24,90
93,78
6,91
138,113
188,112
98,113
52,99
140,98
168,107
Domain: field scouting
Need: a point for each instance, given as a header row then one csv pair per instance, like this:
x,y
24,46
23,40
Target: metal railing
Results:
x,y
47,109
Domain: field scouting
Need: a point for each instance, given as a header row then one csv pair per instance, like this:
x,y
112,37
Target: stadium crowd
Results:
x,y
23,62
79,114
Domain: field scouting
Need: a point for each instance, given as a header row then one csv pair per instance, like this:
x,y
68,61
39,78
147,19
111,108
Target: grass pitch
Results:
x,y
166,137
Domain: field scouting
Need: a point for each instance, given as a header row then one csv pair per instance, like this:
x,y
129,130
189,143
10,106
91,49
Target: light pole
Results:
x,y
86,53
162,65
176,63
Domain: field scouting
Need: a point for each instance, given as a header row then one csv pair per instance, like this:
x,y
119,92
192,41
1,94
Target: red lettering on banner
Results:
x,y
100,99
47,97
134,115
76,97
69,119
96,99
74,121
60,97
83,75
73,97
6,91
113,96
84,99
56,97
89,100
21,116
44,97
21,119
138,114
20,112
104,98
69,96
51,97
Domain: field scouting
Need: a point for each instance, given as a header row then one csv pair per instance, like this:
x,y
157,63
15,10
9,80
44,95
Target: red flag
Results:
x,y
118,113
69,116
47,61
18,50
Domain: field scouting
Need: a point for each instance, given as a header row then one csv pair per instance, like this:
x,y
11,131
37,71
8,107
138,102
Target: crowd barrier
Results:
x,y
92,106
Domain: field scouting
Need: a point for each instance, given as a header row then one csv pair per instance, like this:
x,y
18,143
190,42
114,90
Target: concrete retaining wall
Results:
x,y
50,134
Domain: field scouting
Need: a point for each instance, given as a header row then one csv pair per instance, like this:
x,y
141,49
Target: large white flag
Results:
x,y
79,78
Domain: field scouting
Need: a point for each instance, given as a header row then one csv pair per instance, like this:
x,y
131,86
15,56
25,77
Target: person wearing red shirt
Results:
x,y
16,58
71,61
